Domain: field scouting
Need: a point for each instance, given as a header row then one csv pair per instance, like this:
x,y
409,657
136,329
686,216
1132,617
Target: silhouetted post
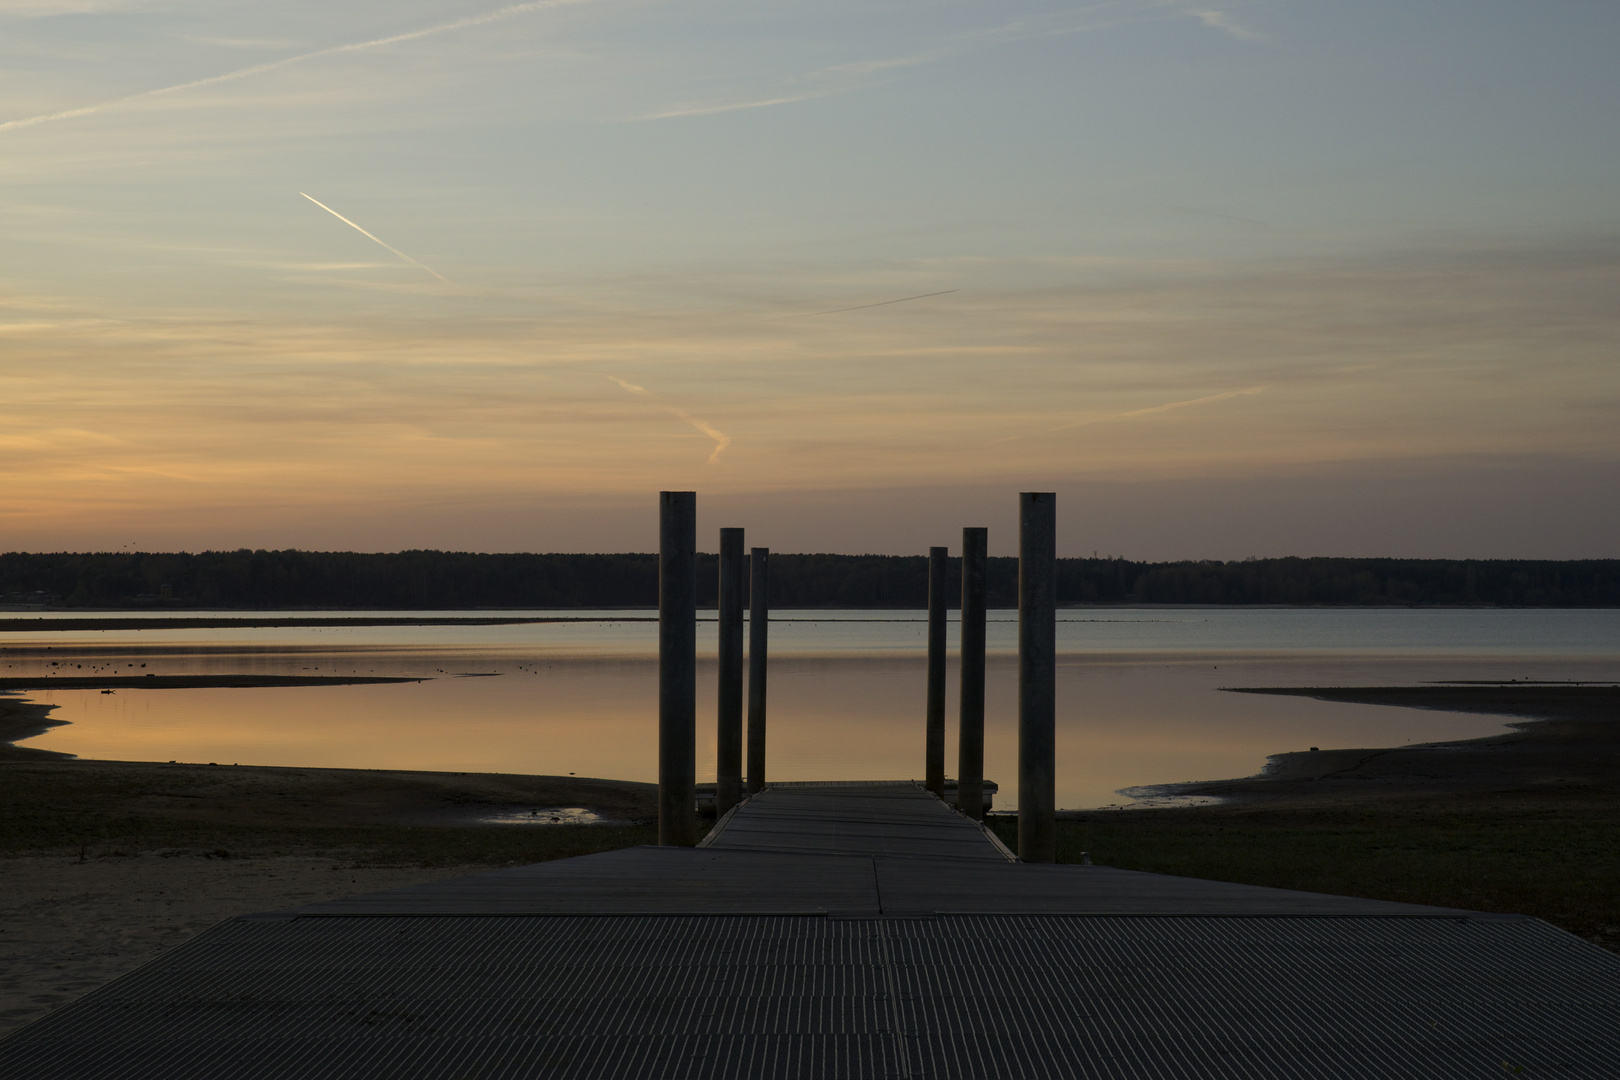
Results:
x,y
970,726
677,668
934,750
759,621
1037,677
729,743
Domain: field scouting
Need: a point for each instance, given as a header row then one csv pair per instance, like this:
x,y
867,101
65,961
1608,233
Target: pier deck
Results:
x,y
860,930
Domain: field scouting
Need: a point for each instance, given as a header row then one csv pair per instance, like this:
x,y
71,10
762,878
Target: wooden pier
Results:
x,y
845,930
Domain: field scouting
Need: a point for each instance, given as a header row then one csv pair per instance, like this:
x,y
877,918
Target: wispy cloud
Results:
x,y
390,247
859,75
1221,20
827,82
1153,409
1209,400
863,307
497,15
721,439
48,8
332,410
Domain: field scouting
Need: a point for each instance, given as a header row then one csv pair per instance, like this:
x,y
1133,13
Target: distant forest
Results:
x,y
447,580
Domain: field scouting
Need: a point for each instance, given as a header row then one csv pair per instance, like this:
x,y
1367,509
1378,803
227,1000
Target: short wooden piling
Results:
x,y
934,749
970,715
677,668
1037,677
728,769
759,616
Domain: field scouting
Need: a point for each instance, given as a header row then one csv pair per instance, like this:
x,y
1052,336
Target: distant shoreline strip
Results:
x,y
41,625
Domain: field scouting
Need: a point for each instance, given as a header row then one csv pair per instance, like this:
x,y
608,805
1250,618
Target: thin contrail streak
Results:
x,y
1195,401
1211,399
286,61
384,243
721,439
863,307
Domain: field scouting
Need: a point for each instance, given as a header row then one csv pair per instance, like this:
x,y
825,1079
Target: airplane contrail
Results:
x,y
721,439
390,247
1151,409
286,61
863,307
1195,401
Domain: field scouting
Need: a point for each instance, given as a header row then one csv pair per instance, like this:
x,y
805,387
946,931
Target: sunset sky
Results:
x,y
1277,277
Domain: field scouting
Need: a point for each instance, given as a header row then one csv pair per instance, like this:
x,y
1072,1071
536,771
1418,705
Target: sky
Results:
x,y
1278,277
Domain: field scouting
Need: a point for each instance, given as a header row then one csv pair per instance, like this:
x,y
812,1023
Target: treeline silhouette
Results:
x,y
447,580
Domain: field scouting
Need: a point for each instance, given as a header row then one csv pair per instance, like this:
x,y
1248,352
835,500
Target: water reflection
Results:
x,y
846,697
1121,724
544,815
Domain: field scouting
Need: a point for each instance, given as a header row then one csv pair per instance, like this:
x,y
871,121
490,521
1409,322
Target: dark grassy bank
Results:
x,y
1527,821
100,808
1557,860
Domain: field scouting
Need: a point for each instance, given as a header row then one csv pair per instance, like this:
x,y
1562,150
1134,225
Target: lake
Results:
x,y
1139,690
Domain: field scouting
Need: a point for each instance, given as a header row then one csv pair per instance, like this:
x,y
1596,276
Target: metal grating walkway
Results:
x,y
520,974
871,818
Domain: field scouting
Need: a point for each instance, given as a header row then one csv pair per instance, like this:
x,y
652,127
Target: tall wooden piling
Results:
x,y
939,564
759,621
1037,677
677,668
970,717
728,769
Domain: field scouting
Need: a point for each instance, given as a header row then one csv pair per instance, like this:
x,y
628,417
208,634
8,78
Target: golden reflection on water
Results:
x,y
1123,722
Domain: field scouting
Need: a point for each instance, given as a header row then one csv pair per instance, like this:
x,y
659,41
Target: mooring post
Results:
x,y
729,740
759,621
677,668
1037,677
934,739
970,717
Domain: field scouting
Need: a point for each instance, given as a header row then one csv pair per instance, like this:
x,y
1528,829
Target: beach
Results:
x,y
105,864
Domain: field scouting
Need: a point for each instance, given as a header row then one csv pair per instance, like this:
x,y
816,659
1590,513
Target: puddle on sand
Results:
x,y
545,815
1161,797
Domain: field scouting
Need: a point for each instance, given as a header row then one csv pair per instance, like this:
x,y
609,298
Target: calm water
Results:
x,y
1139,693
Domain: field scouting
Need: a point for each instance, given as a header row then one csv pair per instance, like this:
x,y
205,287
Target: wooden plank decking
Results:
x,y
857,930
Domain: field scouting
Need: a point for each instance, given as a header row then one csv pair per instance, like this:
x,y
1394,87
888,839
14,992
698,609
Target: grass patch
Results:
x,y
102,808
95,835
1556,862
